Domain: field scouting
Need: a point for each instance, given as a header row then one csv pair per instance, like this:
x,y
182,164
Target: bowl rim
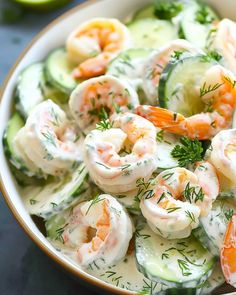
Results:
x,y
82,275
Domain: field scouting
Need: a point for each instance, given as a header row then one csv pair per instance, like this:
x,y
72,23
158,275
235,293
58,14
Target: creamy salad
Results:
x,y
123,141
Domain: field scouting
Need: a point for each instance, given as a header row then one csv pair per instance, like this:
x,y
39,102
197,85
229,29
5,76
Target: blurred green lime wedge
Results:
x,y
43,5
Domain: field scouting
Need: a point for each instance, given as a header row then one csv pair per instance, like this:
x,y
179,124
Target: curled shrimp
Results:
x,y
157,61
219,102
102,153
222,154
98,231
224,42
97,94
94,43
178,197
49,141
228,253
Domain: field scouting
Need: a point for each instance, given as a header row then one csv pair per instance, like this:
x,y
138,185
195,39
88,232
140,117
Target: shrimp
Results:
x,y
219,95
158,60
228,253
94,43
49,140
177,198
224,42
97,94
111,171
98,231
223,152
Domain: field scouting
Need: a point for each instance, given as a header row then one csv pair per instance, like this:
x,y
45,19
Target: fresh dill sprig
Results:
x,y
55,118
189,152
33,201
192,194
139,234
105,123
177,54
203,15
163,195
59,233
148,288
167,176
94,201
190,215
230,81
211,55
49,137
164,256
229,214
183,265
142,184
160,136
172,209
205,90
166,9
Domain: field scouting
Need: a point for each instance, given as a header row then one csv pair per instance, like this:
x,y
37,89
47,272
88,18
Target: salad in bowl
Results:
x,y
122,143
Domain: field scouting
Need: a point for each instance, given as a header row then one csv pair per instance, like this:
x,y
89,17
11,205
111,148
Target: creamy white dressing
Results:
x,y
125,275
157,257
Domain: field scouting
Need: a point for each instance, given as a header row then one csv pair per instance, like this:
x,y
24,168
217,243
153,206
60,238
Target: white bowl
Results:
x,y
51,37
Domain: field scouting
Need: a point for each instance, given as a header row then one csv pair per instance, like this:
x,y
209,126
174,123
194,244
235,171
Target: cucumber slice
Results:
x,y
23,180
13,126
212,227
57,221
196,23
152,33
215,280
129,65
42,5
125,275
50,92
145,12
180,263
28,89
58,71
57,196
165,144
175,89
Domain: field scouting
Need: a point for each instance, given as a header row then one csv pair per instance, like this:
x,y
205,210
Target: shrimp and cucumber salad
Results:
x,y
123,143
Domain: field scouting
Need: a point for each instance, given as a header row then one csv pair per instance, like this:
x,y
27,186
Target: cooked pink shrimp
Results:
x,y
228,253
222,154
49,140
157,62
178,198
98,231
220,103
224,42
97,94
94,43
113,172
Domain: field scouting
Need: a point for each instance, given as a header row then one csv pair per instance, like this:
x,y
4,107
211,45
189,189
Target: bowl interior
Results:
x,y
52,37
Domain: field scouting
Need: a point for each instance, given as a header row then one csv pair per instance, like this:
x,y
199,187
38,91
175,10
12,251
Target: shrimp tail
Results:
x,y
164,119
228,252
